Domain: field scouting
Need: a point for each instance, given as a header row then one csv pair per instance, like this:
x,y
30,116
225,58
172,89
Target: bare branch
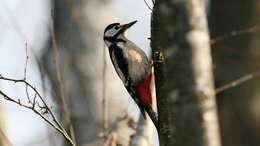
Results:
x,y
32,106
104,105
237,82
54,123
27,93
26,60
235,33
60,82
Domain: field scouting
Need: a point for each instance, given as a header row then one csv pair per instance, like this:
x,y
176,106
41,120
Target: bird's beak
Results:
x,y
128,25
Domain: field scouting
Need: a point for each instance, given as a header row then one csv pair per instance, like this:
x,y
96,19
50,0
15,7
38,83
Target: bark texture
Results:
x,y
184,79
235,57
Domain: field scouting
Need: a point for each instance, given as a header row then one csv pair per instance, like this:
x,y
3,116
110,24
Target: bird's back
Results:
x,y
139,65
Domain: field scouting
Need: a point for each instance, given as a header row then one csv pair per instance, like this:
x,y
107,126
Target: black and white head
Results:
x,y
116,32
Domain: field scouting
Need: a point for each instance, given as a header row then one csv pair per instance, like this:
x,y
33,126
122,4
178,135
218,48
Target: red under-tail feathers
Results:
x,y
144,92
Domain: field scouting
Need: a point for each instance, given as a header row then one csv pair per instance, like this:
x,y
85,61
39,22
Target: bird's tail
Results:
x,y
152,115
142,110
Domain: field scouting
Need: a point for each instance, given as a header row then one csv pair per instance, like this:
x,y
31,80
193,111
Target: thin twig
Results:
x,y
104,105
27,93
32,106
26,60
60,82
237,82
25,71
235,33
23,38
148,5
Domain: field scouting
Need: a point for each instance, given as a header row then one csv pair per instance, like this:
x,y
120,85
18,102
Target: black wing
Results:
x,y
120,63
121,66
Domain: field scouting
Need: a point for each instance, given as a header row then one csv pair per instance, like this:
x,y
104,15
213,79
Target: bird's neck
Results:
x,y
114,40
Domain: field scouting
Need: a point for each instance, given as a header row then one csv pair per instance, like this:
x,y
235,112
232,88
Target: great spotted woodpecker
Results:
x,y
132,66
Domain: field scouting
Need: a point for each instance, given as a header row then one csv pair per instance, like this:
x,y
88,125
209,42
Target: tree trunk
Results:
x,y
183,74
3,139
235,57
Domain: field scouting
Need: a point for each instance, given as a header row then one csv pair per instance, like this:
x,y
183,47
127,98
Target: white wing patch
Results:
x,y
134,56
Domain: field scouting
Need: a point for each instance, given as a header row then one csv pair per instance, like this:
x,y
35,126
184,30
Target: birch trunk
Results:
x,y
3,139
184,79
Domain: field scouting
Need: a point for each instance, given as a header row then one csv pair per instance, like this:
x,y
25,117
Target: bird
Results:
x,y
132,66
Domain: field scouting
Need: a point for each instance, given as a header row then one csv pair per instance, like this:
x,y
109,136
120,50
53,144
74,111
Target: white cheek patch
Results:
x,y
126,33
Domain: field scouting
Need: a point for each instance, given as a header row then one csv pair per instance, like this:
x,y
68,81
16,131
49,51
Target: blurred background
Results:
x,y
77,33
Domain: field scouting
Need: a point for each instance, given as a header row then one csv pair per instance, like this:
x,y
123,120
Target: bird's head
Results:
x,y
114,31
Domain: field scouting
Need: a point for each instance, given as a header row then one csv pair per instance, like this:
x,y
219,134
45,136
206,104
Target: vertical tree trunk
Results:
x,y
235,57
186,98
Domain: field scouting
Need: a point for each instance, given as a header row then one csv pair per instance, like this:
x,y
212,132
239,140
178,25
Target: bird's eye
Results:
x,y
117,27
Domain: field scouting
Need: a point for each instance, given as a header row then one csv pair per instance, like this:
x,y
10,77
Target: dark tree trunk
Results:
x,y
185,91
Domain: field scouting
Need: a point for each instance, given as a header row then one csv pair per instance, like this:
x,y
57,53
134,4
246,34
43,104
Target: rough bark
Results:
x,y
185,89
235,57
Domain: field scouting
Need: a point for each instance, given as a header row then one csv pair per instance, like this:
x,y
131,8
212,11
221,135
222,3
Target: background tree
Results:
x,y
237,55
3,139
185,90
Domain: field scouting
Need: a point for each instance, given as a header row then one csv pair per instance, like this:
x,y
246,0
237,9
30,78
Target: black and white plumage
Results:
x,y
132,66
